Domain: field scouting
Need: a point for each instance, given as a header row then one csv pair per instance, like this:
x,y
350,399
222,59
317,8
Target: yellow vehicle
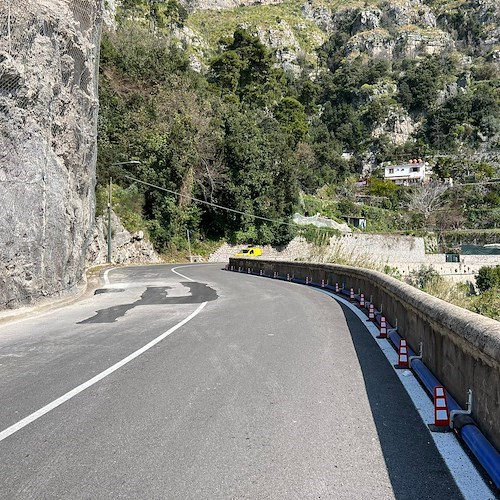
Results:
x,y
249,252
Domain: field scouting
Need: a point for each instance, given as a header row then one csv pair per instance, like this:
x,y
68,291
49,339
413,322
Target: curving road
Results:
x,y
268,390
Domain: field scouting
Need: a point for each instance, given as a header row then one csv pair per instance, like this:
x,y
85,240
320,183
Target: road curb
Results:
x,y
48,304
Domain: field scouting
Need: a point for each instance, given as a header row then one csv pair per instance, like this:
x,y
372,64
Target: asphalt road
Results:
x,y
272,390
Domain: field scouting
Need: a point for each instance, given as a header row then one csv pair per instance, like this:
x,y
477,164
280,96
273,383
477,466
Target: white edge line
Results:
x,y
105,275
464,472
59,401
182,275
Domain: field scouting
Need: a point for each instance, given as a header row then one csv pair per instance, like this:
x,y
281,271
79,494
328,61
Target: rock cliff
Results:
x,y
227,4
383,29
48,105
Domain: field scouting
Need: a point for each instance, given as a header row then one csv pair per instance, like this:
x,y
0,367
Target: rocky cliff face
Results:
x,y
407,28
48,107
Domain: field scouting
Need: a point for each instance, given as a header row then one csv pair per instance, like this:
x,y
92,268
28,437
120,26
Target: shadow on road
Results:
x,y
414,465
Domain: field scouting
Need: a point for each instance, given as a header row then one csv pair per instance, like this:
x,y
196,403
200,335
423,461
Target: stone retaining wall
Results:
x,y
405,253
460,347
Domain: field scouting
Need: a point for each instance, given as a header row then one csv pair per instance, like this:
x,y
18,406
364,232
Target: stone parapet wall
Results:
x,y
377,248
460,347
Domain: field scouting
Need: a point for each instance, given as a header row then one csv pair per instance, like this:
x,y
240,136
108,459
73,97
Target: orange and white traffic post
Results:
x,y
441,411
322,283
351,294
337,289
371,312
362,300
441,414
382,328
402,354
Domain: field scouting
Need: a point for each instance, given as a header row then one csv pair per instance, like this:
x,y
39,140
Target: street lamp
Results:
x,y
129,162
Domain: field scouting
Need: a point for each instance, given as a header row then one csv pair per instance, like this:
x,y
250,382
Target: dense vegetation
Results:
x,y
247,135
486,302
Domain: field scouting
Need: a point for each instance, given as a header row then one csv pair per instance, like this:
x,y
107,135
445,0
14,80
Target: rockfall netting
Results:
x,y
49,53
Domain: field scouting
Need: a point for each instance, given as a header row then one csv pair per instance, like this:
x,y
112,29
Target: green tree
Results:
x,y
262,176
246,67
291,115
387,190
488,278
420,84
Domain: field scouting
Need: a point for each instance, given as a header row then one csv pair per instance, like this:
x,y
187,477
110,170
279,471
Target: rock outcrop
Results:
x,y
126,248
226,4
109,17
398,125
281,40
48,105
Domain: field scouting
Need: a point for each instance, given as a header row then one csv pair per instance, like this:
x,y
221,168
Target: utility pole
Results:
x,y
109,221
189,245
110,188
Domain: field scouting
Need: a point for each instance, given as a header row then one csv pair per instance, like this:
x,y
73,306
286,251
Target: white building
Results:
x,y
413,172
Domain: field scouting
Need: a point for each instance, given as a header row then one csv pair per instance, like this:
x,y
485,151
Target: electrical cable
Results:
x,y
215,205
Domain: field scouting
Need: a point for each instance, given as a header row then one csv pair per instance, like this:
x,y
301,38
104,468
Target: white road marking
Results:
x,y
105,276
181,275
464,472
59,401
192,265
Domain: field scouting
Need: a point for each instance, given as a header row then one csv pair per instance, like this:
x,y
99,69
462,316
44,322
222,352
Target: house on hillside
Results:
x,y
357,222
410,173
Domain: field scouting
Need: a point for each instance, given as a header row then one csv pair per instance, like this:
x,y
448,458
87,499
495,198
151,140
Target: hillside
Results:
x,y
270,109
385,29
465,34
314,92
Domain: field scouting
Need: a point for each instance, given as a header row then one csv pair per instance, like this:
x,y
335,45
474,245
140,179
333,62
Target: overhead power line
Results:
x,y
215,205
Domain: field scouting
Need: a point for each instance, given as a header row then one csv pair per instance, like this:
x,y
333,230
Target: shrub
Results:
x,y
392,271
424,277
488,278
319,236
487,304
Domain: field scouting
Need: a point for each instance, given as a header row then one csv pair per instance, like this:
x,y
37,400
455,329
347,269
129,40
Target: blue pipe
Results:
x,y
483,450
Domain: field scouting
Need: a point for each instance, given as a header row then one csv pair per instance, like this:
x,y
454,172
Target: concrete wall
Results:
x,y
460,347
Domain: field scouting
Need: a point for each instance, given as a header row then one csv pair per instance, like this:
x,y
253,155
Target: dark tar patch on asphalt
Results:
x,y
108,290
156,295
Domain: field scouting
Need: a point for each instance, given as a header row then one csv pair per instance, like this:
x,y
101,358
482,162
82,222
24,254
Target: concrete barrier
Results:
x,y
460,347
